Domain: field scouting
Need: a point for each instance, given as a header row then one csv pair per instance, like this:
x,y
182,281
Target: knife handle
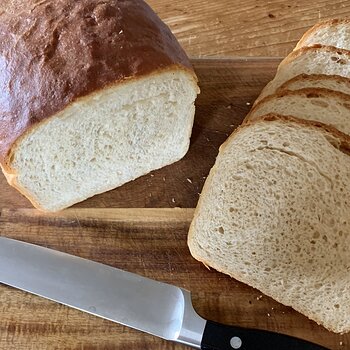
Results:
x,y
217,336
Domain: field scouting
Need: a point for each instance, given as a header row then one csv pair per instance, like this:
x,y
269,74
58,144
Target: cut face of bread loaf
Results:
x,y
330,82
274,213
93,95
105,140
322,105
309,60
335,32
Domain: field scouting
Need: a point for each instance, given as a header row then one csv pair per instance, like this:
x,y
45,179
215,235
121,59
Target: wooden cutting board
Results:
x,y
142,227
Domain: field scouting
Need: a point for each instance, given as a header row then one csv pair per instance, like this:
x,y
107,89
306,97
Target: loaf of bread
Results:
x,y
322,105
274,213
93,94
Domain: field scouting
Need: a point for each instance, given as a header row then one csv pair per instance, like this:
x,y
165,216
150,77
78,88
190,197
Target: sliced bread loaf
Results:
x,y
334,32
93,95
323,81
275,214
309,60
322,105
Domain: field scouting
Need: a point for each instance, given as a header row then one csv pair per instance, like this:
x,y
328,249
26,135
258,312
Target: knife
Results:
x,y
160,309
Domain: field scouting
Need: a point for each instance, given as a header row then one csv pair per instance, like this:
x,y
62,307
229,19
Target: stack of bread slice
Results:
x,y
275,210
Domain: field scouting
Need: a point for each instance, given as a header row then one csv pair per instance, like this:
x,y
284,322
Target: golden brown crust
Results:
x,y
312,92
317,92
317,47
314,77
295,55
53,52
344,139
317,26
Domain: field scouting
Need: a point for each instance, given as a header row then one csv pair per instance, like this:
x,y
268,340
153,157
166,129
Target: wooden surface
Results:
x,y
228,28
149,241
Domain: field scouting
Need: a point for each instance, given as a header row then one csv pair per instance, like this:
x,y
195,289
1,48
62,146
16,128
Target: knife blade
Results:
x,y
157,308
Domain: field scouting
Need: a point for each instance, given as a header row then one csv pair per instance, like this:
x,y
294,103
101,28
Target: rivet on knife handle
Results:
x,y
222,337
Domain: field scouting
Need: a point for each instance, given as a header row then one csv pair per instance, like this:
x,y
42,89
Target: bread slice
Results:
x,y
334,32
323,81
93,94
309,60
322,105
275,214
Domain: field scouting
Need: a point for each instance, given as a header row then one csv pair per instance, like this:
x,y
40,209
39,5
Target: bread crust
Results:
x,y
320,92
294,55
55,52
305,49
343,139
317,26
314,77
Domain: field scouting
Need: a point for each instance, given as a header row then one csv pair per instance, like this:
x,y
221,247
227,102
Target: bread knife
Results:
x,y
160,309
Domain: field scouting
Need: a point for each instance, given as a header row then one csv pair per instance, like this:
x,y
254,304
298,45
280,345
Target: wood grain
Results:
x,y
149,241
226,28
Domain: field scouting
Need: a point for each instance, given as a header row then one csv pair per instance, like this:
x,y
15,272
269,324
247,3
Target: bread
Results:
x,y
334,32
93,95
309,60
322,105
330,82
274,214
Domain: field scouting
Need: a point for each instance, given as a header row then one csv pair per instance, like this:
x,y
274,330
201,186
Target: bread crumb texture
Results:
x,y
317,104
309,60
103,141
274,213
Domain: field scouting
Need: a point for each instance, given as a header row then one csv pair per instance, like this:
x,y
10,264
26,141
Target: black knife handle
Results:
x,y
217,336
